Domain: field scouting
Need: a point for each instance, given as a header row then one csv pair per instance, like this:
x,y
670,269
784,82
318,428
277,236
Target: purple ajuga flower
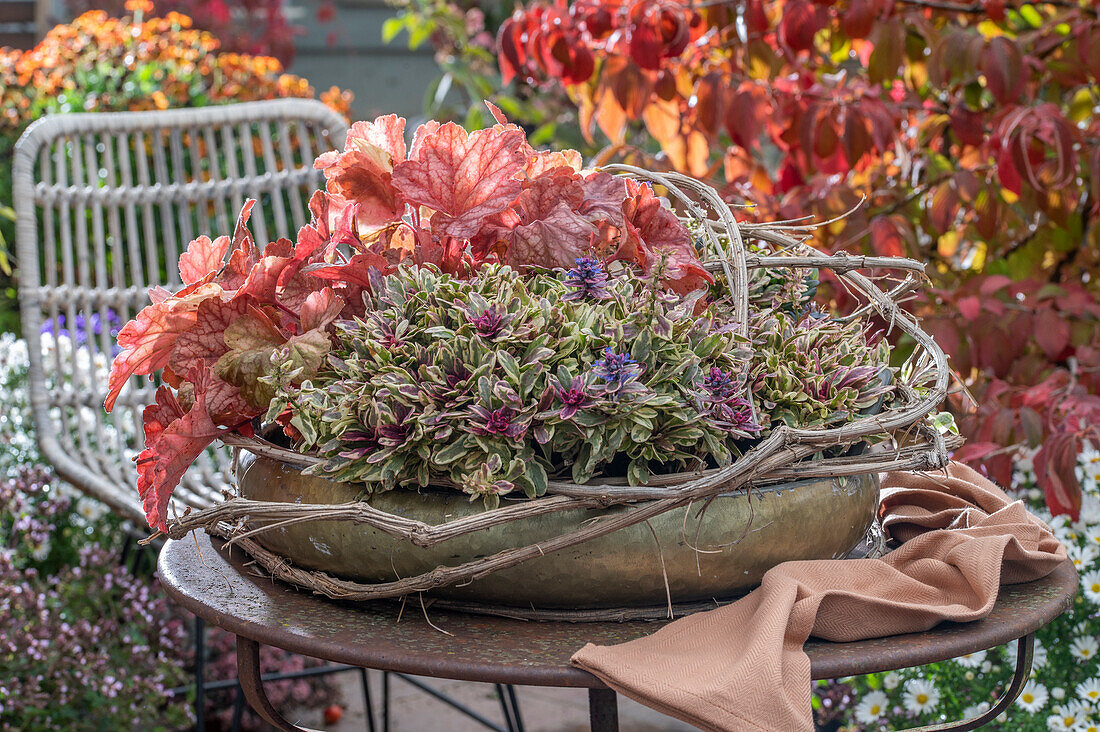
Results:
x,y
82,325
492,322
504,421
618,372
720,385
587,279
573,398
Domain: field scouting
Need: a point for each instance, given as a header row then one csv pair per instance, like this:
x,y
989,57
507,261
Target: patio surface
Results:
x,y
542,709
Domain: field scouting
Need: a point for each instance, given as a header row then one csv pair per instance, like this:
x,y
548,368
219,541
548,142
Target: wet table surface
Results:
x,y
220,587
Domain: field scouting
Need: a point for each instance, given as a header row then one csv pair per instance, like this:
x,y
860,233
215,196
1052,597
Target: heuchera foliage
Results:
x,y
453,199
968,128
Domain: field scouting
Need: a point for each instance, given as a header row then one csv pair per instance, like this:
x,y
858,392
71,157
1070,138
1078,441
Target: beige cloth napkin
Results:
x,y
741,666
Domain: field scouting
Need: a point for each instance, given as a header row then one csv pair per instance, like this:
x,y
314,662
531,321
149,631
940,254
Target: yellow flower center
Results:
x,y
922,699
876,710
1095,587
1028,697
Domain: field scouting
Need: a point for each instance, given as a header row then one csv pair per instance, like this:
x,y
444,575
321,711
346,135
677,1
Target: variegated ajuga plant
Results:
x,y
472,314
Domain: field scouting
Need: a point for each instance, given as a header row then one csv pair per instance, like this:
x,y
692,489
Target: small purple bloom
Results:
x,y
573,398
587,279
82,325
619,372
492,322
719,384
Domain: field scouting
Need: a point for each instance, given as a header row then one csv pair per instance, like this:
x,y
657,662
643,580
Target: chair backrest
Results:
x,y
105,203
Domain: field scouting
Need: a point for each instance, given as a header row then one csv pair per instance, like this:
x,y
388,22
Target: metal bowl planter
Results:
x,y
799,493
702,550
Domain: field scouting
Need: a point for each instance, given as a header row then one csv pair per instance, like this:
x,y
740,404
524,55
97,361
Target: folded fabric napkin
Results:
x,y
742,667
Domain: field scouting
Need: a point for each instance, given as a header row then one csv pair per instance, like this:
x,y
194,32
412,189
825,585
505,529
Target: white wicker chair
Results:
x,y
105,204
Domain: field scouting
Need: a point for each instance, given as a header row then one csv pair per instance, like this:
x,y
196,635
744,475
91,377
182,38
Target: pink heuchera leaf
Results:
x,y
320,309
147,340
243,256
546,161
654,235
202,258
465,178
362,172
542,228
173,440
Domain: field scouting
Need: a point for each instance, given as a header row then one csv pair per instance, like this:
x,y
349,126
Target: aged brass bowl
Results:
x,y
807,519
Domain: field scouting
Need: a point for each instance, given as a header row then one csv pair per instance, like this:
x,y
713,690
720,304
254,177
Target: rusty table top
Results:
x,y
218,587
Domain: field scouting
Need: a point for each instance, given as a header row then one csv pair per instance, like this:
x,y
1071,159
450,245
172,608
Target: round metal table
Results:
x,y
221,588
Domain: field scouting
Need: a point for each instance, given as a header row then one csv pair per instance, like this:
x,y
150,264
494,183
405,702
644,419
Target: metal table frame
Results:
x,y
219,587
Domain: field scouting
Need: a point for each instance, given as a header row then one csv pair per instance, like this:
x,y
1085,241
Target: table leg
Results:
x,y
1024,648
603,710
248,674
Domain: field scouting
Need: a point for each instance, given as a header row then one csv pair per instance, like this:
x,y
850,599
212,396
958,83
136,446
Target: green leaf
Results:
x,y
537,475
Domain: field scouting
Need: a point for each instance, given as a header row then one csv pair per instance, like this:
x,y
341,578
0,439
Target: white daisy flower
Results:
x,y
1090,508
1089,691
90,510
890,681
871,707
1089,460
1081,556
1084,648
1033,697
1092,537
921,695
975,710
1065,717
971,660
1090,585
41,551
1087,726
1058,693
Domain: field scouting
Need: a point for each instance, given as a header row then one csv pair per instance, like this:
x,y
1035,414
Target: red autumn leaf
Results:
x,y
943,208
1056,472
746,114
171,447
801,22
969,307
202,258
363,172
320,309
889,41
513,56
886,237
1052,333
1003,66
968,125
147,341
858,19
465,178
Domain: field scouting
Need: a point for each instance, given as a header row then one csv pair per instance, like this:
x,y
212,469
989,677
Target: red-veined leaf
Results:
x,y
202,258
171,447
147,341
362,173
464,177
